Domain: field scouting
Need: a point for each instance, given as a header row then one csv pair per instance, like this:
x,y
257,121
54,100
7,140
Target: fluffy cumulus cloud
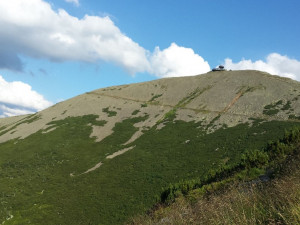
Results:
x,y
177,61
75,2
18,98
34,29
274,64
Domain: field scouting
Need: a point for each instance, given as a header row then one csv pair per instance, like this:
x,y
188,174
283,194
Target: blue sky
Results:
x,y
52,50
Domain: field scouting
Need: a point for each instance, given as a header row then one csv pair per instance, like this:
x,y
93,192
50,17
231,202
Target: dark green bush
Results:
x,y
109,112
254,158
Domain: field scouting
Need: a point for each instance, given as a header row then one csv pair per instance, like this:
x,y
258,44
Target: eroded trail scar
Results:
x,y
232,102
119,152
108,157
93,168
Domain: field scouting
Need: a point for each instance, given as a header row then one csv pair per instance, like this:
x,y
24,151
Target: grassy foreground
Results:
x,y
274,203
239,199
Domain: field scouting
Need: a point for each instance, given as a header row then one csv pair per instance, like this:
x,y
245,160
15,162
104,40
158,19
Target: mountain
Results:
x,y
103,156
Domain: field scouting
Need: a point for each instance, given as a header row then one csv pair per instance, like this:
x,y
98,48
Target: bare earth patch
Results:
x,y
119,152
108,157
47,131
93,168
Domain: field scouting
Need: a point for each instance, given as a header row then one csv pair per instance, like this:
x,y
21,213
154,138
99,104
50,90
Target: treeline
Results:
x,y
251,165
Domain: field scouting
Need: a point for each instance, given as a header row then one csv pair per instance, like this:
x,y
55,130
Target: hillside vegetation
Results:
x,y
237,194
108,155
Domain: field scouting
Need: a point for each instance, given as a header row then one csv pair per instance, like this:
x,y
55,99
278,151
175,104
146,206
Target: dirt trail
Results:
x,y
236,98
167,105
129,99
205,111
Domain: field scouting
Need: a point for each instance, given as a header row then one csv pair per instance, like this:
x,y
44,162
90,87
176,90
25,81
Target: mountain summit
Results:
x,y
231,96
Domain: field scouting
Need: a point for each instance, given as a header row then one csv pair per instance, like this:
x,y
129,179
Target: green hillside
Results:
x,y
263,188
103,157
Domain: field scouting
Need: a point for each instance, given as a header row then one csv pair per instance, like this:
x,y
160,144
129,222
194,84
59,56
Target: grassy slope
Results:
x,y
274,201
36,186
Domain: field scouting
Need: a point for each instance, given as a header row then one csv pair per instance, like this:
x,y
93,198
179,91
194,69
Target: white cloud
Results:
x,y
274,64
18,98
177,61
34,29
75,2
6,111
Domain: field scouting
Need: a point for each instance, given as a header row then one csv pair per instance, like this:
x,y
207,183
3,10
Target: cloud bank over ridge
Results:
x,y
177,61
275,64
17,98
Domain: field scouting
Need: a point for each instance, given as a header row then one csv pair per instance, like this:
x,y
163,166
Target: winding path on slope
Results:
x,y
224,111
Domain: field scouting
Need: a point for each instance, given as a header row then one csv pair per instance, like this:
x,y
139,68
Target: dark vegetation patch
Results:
x,y
28,119
110,113
196,93
273,109
171,115
3,128
92,119
135,112
293,117
155,97
248,89
271,112
143,105
287,106
31,118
